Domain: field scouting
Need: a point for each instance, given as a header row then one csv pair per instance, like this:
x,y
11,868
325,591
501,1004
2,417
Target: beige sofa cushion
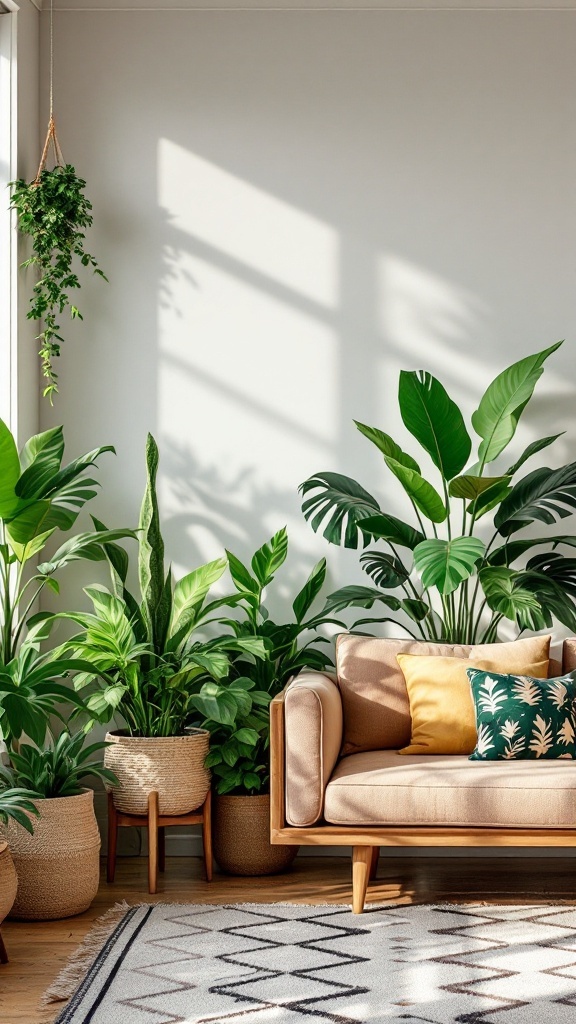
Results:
x,y
382,788
374,694
313,736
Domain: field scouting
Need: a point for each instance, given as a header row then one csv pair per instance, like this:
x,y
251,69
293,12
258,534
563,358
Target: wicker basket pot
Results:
x,y
173,766
58,866
8,881
241,837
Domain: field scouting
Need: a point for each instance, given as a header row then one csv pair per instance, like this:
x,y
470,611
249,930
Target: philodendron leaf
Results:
x,y
505,594
496,418
9,472
384,569
532,449
445,564
545,495
268,559
387,446
469,487
385,527
423,494
341,499
434,420
358,597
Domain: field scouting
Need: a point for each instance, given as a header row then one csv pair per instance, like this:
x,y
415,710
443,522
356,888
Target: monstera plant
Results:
x,y
456,580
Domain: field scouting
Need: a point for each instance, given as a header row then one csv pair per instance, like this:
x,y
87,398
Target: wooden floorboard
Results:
x,y
39,950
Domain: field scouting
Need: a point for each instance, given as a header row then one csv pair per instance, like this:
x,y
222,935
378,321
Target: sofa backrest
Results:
x,y
374,695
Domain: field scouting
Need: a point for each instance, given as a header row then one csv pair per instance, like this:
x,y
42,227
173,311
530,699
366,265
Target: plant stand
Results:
x,y
156,825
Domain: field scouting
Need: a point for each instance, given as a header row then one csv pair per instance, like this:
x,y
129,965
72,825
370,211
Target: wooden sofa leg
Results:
x,y
374,863
361,861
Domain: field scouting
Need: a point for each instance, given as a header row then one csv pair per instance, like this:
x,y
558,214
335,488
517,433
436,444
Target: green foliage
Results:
x,y
54,212
456,586
235,709
16,804
38,497
141,656
58,770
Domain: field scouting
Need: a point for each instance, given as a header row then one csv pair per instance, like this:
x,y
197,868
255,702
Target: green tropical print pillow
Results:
x,y
520,718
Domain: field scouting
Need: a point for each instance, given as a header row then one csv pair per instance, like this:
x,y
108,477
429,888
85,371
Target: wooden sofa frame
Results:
x,y
366,841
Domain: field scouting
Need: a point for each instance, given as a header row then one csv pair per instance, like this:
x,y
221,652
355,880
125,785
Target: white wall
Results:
x,y
292,206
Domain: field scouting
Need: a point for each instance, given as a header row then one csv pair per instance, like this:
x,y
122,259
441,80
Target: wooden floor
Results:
x,y
38,950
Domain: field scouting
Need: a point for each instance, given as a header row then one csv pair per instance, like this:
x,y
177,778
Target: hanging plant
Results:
x,y
54,212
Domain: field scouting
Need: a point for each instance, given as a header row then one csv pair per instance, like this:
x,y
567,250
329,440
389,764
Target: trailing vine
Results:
x,y
54,212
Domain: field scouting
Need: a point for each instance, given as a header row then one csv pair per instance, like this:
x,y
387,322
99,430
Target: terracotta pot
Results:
x,y
8,881
241,837
173,766
58,866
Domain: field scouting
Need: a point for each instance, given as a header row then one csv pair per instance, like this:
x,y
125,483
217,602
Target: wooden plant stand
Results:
x,y
156,825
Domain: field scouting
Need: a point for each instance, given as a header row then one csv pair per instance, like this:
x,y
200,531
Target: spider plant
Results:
x,y
57,770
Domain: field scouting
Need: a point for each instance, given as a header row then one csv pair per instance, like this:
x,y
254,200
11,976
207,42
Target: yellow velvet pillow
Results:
x,y
441,705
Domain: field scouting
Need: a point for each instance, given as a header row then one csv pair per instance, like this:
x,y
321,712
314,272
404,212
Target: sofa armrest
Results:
x,y
569,654
313,738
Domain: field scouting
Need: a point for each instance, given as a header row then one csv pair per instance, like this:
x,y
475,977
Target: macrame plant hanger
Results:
x,y
51,137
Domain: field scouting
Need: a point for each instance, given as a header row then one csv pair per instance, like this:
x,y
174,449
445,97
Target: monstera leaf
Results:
x,y
505,594
384,569
341,499
545,495
446,563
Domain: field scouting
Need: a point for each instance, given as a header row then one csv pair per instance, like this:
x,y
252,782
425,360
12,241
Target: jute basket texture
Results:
x,y
173,766
8,881
58,867
241,837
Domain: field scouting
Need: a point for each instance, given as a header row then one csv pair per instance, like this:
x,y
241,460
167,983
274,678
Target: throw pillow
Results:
x,y
441,705
522,718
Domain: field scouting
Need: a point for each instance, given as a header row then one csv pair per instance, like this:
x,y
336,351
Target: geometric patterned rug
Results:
x,y
280,964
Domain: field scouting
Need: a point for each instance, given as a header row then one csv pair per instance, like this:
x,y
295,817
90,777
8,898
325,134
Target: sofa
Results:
x,y
337,778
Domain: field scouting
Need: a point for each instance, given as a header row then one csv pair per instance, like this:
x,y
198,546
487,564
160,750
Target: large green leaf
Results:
x,y
434,420
423,494
33,520
505,594
513,549
385,527
532,449
446,563
9,472
489,498
341,499
546,495
387,446
552,597
557,567
151,545
358,597
190,593
470,487
502,404
268,559
41,459
83,545
386,570
305,598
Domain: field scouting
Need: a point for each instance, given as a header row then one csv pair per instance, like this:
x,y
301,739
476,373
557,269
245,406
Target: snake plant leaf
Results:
x,y
355,596
191,591
532,449
385,527
9,472
387,446
513,549
341,499
268,559
501,406
151,545
386,570
505,594
422,493
445,564
545,495
305,598
434,420
470,487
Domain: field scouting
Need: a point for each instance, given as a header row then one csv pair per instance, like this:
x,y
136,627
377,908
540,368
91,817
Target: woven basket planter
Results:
x,y
241,837
58,866
8,881
172,766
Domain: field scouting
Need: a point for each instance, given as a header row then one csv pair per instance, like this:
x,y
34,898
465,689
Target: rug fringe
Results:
x,y
80,961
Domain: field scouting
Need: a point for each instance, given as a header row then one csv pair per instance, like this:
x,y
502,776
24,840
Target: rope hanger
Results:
x,y
51,137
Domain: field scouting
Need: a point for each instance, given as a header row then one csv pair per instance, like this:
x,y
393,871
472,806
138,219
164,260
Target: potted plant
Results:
x,y
240,730
145,663
15,805
58,863
452,584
